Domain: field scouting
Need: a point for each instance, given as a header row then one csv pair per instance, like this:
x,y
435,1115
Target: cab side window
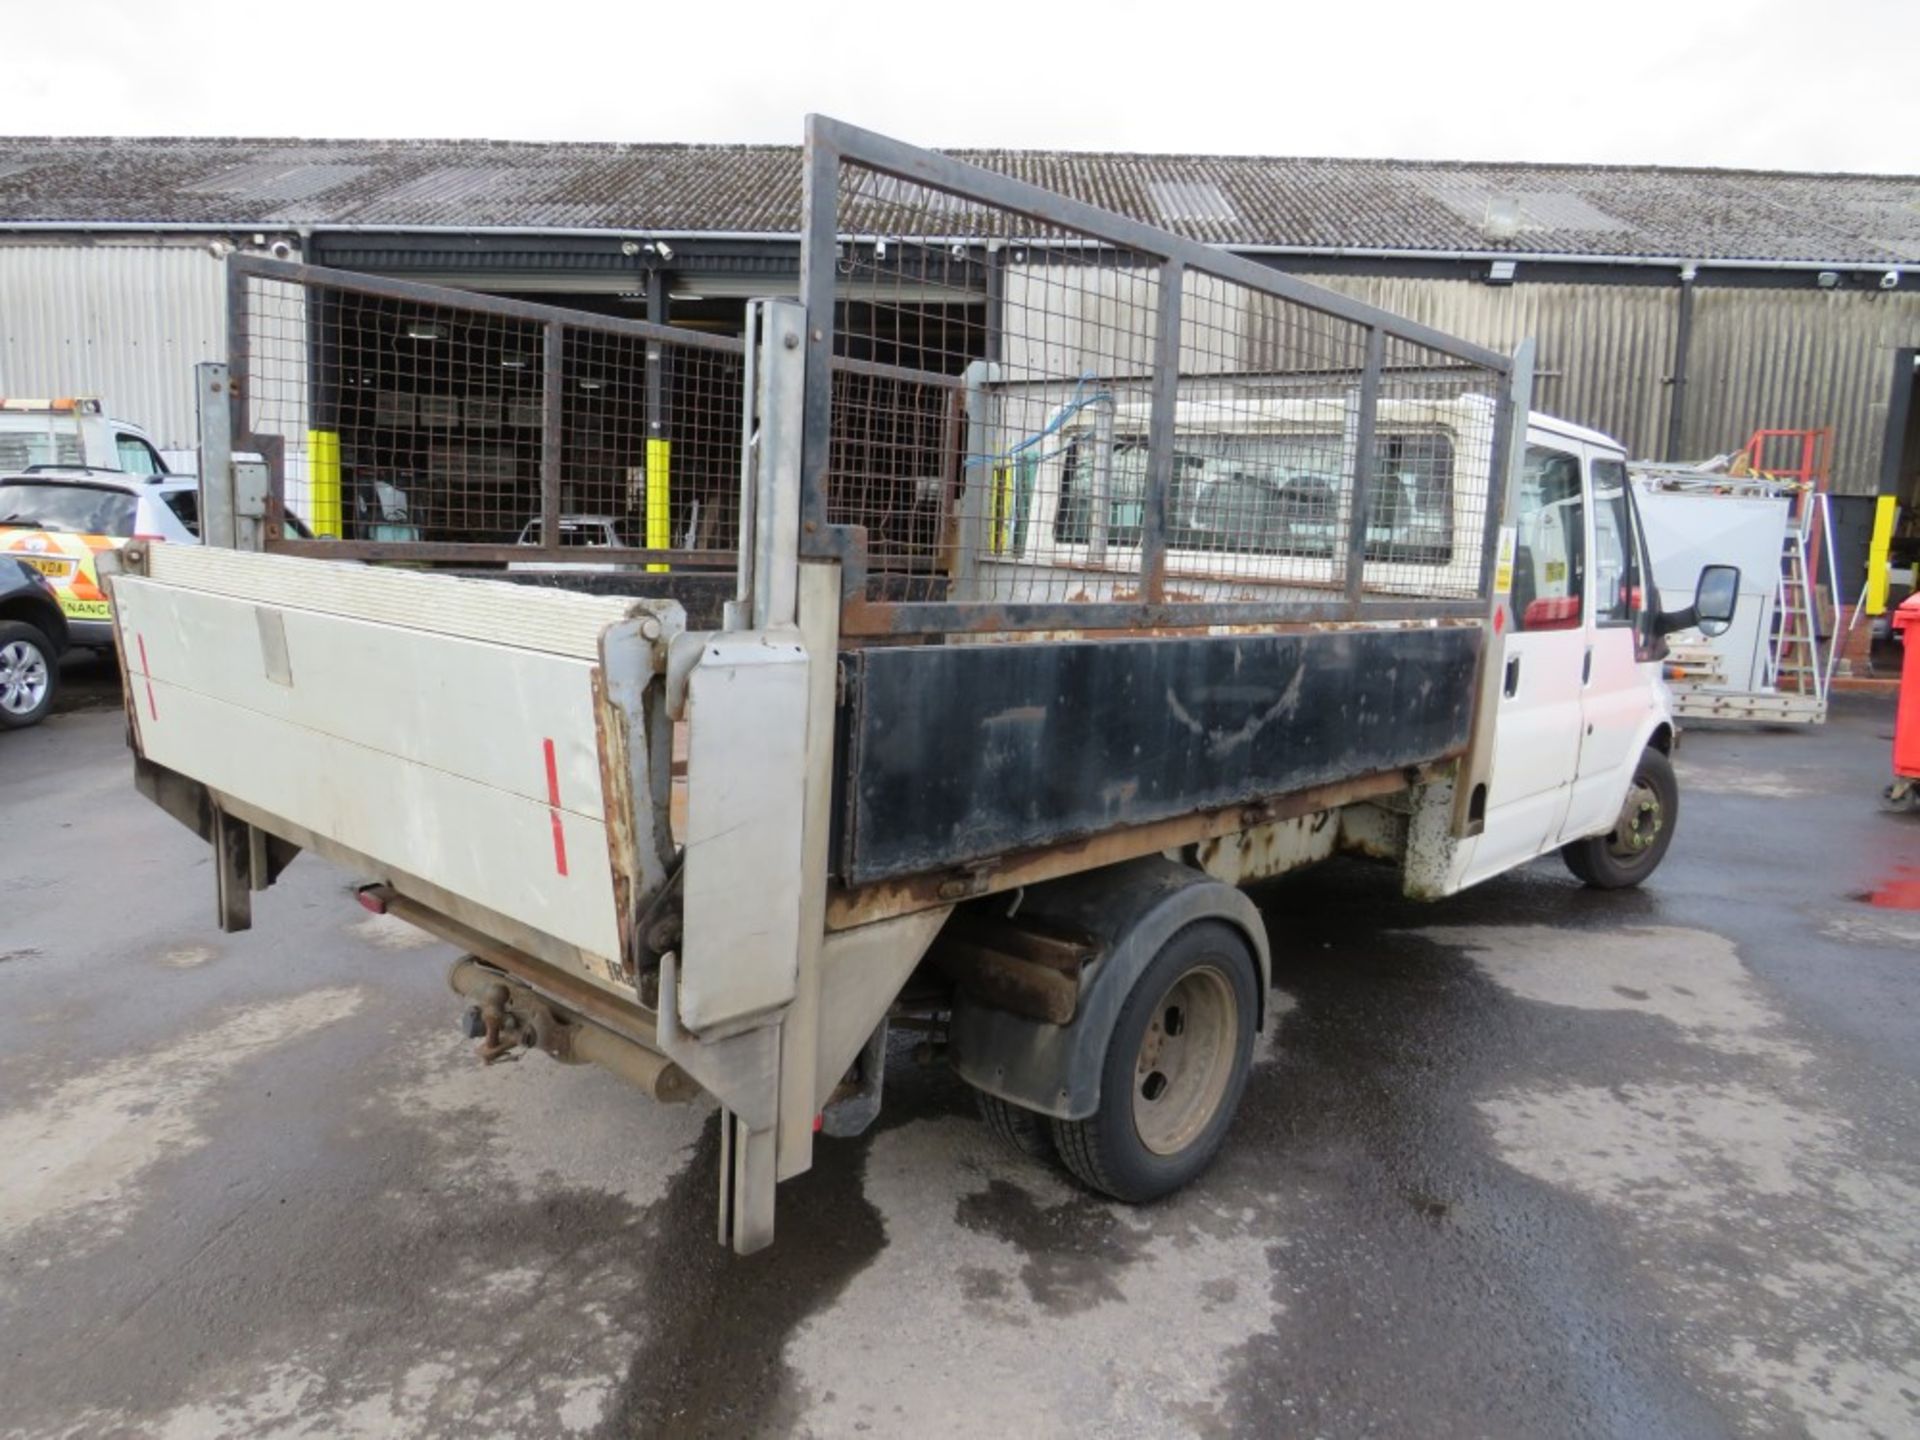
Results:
x,y
1549,561
137,457
1616,572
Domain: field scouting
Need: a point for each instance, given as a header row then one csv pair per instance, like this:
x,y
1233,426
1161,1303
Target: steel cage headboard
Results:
x,y
832,144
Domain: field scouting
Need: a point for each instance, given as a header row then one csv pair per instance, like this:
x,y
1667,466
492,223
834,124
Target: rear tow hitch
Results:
x,y
509,1018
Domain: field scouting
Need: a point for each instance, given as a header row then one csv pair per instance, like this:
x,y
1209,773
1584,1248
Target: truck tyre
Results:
x,y
1016,1125
1633,849
29,675
1175,1068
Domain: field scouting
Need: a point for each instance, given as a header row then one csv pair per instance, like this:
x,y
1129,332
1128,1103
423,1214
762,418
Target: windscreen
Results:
x,y
66,507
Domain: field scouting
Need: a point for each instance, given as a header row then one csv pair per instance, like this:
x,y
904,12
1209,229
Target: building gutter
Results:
x,y
1346,252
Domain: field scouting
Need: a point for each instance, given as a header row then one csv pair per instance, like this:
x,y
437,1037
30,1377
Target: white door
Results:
x,y
1536,749
1616,694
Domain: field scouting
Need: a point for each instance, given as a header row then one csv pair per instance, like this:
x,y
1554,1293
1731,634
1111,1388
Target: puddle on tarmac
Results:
x,y
1898,891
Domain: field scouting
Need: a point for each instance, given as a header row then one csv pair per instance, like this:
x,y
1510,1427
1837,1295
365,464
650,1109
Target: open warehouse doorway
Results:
x,y
439,425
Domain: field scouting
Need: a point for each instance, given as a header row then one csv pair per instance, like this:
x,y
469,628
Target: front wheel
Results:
x,y
28,675
1175,1068
1634,848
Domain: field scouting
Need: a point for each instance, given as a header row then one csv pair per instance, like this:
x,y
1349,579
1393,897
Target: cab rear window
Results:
x,y
66,508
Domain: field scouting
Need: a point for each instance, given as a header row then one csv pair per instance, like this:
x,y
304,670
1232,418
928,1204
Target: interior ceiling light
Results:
x,y
420,331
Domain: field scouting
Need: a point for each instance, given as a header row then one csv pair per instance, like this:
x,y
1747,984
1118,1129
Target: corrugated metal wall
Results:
x,y
124,321
1794,359
128,320
1604,350
1760,359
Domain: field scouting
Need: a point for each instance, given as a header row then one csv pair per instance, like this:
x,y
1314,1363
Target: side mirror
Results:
x,y
1715,598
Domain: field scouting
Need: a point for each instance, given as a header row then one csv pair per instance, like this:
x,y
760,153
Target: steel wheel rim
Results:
x,y
1185,1061
23,678
1641,821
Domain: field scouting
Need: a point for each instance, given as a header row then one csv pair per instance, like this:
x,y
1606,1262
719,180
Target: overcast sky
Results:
x,y
1818,84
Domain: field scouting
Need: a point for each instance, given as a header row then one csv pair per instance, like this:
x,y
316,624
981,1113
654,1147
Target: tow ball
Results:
x,y
509,1019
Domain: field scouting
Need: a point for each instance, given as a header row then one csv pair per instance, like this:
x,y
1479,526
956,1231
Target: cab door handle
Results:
x,y
1513,677
1586,666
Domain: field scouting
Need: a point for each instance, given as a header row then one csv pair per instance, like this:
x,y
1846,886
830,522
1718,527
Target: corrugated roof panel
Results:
x,y
275,180
1175,201
1842,220
454,184
1484,202
891,192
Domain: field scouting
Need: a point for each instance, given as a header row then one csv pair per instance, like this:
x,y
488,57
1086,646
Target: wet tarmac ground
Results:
x,y
1533,1161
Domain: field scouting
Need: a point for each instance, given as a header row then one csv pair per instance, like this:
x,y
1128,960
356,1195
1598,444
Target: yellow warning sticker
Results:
x,y
1503,572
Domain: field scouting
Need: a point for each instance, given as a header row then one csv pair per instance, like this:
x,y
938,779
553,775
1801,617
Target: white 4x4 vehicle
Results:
x,y
58,521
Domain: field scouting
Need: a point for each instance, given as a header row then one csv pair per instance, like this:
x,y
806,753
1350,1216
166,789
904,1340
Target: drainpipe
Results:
x,y
1682,344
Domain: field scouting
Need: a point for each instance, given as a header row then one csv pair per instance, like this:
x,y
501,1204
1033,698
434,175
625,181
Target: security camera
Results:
x,y
665,250
629,248
1890,280
281,250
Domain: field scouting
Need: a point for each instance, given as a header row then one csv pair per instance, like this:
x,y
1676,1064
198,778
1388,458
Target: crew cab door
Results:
x,y
1537,737
1617,691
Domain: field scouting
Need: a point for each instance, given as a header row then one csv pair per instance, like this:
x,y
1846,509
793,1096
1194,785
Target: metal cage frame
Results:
x,y
832,144
554,323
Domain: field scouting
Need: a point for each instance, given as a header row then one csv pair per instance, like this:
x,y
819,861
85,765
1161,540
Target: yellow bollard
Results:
x,y
659,514
1877,549
323,469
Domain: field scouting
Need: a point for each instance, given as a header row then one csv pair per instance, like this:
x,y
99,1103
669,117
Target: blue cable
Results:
x,y
1073,407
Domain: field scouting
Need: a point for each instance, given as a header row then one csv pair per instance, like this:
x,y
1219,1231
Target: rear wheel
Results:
x,y
1634,848
1175,1068
1015,1125
28,675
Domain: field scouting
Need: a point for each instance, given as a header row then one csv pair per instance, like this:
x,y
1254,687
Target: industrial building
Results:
x,y
1678,309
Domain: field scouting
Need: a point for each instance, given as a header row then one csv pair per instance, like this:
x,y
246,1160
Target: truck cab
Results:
x,y
1581,697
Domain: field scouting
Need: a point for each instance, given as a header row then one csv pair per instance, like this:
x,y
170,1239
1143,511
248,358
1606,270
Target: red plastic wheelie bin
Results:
x,y
1905,790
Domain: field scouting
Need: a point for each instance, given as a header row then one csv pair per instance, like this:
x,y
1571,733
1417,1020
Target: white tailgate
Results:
x,y
444,727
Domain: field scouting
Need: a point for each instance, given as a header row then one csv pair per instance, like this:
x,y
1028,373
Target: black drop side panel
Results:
x,y
955,753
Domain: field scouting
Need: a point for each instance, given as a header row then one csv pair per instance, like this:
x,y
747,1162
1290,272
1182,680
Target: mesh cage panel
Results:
x,y
1043,417
408,425
1432,475
1266,423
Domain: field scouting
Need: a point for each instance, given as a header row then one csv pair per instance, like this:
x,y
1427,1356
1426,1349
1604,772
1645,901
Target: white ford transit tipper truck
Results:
x,y
1084,573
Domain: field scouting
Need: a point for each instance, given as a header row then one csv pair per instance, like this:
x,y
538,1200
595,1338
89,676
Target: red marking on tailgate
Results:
x,y
147,675
553,812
